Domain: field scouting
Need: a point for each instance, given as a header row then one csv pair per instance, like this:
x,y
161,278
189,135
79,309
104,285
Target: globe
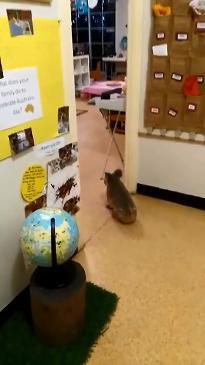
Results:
x,y
35,237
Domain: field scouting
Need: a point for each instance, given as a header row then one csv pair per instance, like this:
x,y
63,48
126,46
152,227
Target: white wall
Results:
x,y
12,273
121,21
164,164
171,165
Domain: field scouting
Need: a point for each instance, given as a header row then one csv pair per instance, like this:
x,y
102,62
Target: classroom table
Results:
x,y
115,60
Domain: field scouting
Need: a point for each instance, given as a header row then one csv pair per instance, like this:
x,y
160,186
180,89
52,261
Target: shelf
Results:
x,y
83,56
81,71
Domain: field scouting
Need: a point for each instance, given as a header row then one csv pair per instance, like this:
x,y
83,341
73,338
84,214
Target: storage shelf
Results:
x,y
81,71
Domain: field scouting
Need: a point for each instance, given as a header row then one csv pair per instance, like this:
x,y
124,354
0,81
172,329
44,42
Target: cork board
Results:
x,y
183,33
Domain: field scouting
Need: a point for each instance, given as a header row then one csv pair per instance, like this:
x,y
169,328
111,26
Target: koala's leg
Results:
x,y
115,215
109,204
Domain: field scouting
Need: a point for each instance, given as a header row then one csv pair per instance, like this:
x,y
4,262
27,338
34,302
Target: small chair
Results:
x,y
97,74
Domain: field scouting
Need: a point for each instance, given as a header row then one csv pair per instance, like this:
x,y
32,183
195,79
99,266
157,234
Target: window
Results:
x,y
94,29
80,26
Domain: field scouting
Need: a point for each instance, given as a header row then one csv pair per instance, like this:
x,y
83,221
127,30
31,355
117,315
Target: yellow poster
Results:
x,y
33,182
39,52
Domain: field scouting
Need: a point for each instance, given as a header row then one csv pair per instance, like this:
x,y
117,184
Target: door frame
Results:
x,y
134,81
133,102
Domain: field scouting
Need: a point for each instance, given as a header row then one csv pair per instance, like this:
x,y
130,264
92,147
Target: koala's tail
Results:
x,y
118,173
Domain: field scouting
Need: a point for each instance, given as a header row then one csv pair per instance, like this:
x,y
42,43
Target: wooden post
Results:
x,y
58,314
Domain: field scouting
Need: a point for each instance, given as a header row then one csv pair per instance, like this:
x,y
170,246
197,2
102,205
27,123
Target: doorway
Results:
x,y
99,37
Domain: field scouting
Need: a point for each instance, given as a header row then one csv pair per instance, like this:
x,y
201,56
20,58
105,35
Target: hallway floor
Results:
x,y
156,266
93,138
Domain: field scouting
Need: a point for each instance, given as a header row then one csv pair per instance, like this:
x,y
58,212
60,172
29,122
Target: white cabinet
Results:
x,y
81,71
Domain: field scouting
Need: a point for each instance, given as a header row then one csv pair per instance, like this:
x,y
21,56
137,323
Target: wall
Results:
x,y
169,165
12,273
121,21
174,166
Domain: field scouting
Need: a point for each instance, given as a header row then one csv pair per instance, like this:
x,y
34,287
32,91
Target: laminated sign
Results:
x,y
20,97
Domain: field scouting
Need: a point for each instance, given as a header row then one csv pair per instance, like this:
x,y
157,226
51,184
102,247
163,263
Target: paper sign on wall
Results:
x,y
50,147
63,188
19,97
33,182
160,50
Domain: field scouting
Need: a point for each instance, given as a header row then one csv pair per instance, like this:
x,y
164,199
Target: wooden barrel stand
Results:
x,y
58,303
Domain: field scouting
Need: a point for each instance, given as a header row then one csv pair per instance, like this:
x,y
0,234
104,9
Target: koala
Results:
x,y
119,199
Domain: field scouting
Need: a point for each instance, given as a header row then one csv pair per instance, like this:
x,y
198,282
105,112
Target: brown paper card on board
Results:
x,y
181,7
198,37
179,68
162,30
181,38
193,114
174,111
199,24
154,110
198,68
163,2
159,73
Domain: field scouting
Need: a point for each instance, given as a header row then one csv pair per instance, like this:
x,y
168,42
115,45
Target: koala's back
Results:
x,y
120,201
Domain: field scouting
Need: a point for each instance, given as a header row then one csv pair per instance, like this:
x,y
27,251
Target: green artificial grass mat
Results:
x,y
20,346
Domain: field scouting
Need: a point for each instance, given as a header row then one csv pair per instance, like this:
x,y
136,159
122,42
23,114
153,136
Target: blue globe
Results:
x,y
35,237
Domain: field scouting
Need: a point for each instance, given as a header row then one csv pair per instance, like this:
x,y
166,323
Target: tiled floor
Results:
x,y
156,266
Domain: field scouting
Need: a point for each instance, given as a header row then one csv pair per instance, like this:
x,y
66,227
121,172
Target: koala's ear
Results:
x,y
118,173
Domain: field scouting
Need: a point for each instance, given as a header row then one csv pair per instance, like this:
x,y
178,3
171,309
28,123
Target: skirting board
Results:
x,y
172,196
171,139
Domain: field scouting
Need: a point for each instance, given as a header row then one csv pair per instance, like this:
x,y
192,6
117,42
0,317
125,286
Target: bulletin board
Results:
x,y
175,97
40,52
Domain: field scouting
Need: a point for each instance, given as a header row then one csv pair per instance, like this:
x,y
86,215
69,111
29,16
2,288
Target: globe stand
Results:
x,y
58,299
